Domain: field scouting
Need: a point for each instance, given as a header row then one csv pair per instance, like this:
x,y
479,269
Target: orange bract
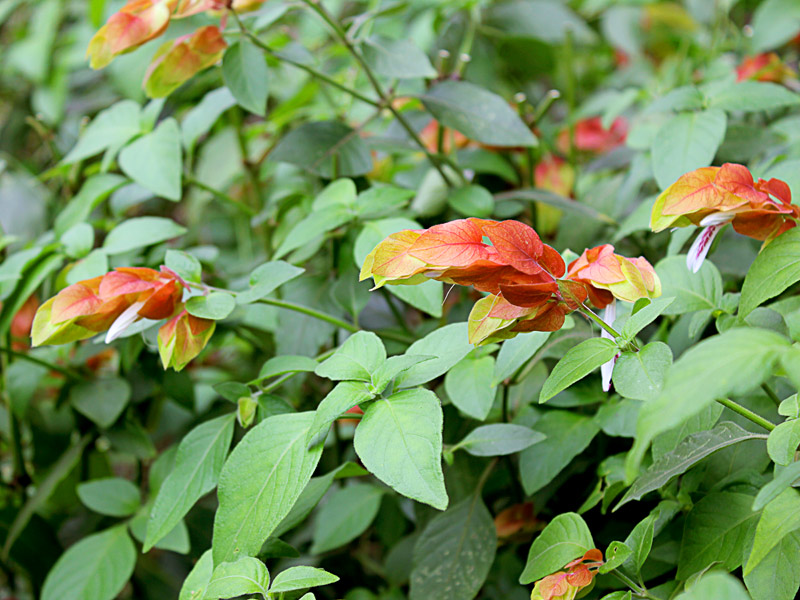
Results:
x,y
717,195
565,585
509,261
764,67
179,60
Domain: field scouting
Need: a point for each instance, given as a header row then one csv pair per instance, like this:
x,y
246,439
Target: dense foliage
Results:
x,y
376,300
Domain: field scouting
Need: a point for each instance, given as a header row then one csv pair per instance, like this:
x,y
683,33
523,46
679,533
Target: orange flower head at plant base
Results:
x,y
110,302
576,576
764,67
711,197
179,60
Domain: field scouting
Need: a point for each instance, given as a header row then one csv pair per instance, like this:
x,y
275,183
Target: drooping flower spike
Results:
x,y
524,277
565,584
712,197
609,277
591,136
115,301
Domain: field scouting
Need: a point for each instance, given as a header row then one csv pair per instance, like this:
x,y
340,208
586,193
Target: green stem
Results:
x,y
588,312
310,70
14,433
311,312
238,204
746,413
466,43
385,99
771,393
635,587
66,372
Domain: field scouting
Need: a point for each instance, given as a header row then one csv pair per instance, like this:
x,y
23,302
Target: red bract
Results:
x,y
514,519
764,67
714,196
591,136
21,324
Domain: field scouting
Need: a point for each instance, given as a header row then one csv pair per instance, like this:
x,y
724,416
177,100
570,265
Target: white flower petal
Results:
x,y
128,317
700,247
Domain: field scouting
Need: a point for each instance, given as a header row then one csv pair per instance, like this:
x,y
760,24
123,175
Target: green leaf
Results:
x,y
231,579
345,516
260,482
783,479
313,493
564,539
476,112
576,364
686,142
266,279
358,358
139,232
616,554
245,73
640,375
550,21
280,365
300,578
778,519
111,128
326,148
666,442
783,441
198,463
381,200
199,120
499,439
176,540
753,96
740,360
716,531
44,488
472,201
716,585
640,541
154,160
448,344
454,553
400,59
776,577
184,264
318,223
216,306
101,400
568,434
775,22
642,318
514,353
93,191
469,386
689,452
393,366
97,567
344,396
775,269
112,496
194,586
399,440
